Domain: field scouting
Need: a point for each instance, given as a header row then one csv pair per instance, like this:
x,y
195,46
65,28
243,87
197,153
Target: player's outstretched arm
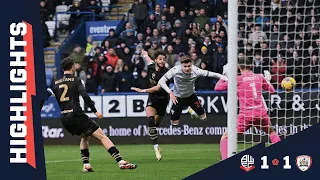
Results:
x,y
267,86
149,90
221,85
217,75
87,99
146,57
211,74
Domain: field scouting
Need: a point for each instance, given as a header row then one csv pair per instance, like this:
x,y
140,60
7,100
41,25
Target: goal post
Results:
x,y
232,104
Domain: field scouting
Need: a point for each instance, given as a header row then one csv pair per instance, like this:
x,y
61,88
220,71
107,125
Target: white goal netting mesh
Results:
x,y
283,38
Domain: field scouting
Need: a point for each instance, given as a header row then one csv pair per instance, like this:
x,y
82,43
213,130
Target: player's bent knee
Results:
x,y
150,111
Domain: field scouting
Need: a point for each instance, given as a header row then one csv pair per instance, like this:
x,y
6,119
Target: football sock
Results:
x,y
156,146
274,137
224,148
191,111
115,153
153,133
85,156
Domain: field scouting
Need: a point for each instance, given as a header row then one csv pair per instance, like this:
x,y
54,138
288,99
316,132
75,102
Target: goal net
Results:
x,y
282,37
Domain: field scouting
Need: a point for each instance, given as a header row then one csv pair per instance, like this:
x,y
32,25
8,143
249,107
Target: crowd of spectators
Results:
x,y
279,36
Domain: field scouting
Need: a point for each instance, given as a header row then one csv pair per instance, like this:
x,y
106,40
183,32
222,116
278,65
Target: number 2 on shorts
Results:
x,y
65,90
254,90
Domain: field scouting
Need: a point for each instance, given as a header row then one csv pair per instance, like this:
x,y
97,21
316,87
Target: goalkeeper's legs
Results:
x,y
224,141
274,138
242,126
267,128
224,146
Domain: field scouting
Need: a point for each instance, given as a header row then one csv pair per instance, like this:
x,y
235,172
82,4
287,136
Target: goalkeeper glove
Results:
x,y
267,75
225,70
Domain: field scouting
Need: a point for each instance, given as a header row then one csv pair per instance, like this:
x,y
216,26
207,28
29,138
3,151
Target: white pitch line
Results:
x,y
79,160
132,150
60,161
165,150
70,160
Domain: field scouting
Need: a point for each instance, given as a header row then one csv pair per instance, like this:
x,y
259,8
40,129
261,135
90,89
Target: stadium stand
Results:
x,y
197,28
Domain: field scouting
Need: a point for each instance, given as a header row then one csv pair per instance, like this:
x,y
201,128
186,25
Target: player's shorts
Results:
x,y
245,122
79,124
191,101
160,105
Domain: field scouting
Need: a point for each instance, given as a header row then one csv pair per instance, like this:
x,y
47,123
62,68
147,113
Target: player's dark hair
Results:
x,y
158,53
67,63
244,63
185,59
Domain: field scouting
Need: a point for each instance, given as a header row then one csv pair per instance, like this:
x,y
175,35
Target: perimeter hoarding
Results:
x,y
125,120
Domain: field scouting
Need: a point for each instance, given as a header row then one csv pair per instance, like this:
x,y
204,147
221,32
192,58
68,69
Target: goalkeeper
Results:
x,y
252,111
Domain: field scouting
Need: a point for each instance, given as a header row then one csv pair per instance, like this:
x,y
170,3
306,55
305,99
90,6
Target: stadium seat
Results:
x,y
65,19
62,8
62,18
106,3
51,27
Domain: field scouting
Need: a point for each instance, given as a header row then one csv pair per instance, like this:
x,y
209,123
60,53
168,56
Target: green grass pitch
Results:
x,y
178,162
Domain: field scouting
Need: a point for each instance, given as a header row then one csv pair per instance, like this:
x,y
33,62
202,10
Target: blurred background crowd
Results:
x,y
281,36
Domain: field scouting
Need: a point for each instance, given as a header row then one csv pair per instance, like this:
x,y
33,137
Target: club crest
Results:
x,y
303,162
247,163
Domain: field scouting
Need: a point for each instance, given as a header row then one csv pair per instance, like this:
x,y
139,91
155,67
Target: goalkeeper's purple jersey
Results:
x,y
250,88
